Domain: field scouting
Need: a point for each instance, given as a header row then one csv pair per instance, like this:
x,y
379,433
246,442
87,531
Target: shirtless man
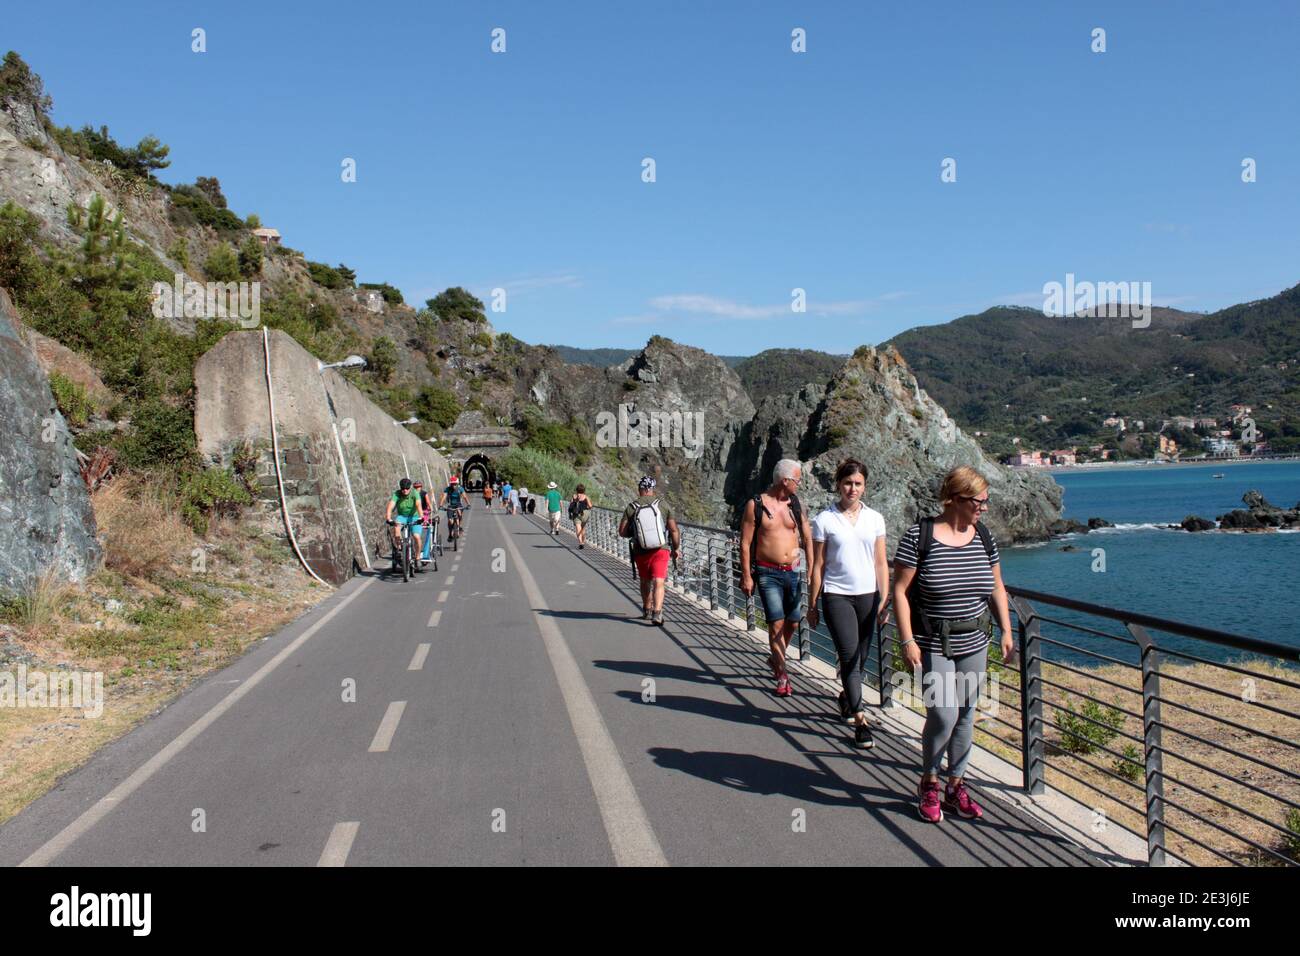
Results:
x,y
772,529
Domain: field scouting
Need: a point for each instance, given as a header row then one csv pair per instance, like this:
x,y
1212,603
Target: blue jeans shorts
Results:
x,y
779,591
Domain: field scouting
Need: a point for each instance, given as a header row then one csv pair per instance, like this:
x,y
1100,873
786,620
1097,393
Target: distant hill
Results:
x,y
603,358
999,370
781,371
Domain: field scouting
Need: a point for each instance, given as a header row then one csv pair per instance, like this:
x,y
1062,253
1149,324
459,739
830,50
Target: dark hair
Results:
x,y
850,466
582,489
404,483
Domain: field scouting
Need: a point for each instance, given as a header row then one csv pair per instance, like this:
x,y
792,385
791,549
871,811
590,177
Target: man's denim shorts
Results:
x,y
779,592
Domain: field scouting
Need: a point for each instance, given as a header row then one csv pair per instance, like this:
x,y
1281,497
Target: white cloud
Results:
x,y
698,304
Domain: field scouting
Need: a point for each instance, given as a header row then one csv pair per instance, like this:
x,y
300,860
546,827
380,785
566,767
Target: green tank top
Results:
x,y
406,507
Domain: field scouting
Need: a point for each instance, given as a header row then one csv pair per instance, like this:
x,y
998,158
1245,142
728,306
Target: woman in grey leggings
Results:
x,y
951,568
849,572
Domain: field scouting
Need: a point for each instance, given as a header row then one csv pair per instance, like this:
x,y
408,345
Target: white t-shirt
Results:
x,y
850,549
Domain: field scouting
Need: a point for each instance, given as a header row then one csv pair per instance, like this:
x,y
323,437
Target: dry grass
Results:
x,y
1207,785
149,622
141,526
38,606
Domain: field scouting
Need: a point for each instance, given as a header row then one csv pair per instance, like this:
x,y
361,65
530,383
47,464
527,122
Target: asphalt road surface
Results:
x,y
510,708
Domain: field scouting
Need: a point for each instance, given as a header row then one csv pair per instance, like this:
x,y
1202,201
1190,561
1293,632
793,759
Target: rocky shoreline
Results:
x,y
1259,515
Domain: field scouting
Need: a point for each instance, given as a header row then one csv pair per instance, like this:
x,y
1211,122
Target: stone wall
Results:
x,y
232,420
46,523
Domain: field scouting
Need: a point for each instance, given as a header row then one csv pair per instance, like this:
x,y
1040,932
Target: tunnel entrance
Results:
x,y
477,472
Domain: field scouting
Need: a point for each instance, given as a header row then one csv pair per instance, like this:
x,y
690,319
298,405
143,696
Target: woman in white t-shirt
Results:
x,y
849,573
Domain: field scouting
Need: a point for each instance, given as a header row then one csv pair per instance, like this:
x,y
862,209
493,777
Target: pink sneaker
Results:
x,y
928,805
957,799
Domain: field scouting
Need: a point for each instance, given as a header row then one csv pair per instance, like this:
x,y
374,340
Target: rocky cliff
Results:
x,y
875,411
872,409
46,523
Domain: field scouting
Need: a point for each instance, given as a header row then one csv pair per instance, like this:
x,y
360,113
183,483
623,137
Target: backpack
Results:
x,y
576,508
648,532
924,540
796,512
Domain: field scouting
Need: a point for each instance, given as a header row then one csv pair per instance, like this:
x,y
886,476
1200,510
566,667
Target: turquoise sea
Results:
x,y
1248,584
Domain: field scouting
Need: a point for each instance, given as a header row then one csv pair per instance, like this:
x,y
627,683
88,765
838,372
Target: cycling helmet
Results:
x,y
404,484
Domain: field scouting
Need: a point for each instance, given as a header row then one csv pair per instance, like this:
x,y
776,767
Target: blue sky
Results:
x,y
774,170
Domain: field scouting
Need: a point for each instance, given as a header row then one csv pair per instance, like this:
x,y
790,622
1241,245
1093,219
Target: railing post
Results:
x,y
885,669
729,567
1033,752
1151,737
713,573
803,616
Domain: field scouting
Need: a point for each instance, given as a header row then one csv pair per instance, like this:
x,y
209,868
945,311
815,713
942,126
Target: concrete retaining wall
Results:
x,y
232,417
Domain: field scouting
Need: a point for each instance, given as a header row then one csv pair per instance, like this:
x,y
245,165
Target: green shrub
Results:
x,y
559,439
392,295
72,399
253,221
533,469
457,303
437,406
1130,765
1291,842
160,434
250,258
180,251
383,358
482,340
1083,736
191,205
18,81
211,493
222,263
324,275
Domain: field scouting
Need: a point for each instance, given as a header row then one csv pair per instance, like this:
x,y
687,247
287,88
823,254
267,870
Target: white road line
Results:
x,y
451,579
443,596
631,837
417,662
387,727
339,845
64,838
433,618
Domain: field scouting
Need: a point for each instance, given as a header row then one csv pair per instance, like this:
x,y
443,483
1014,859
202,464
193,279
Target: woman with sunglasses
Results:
x,y
944,627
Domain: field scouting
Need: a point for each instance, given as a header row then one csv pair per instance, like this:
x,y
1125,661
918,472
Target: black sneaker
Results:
x,y
862,738
844,706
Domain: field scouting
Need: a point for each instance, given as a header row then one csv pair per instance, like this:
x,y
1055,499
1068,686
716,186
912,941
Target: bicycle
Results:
x,y
406,557
453,527
434,531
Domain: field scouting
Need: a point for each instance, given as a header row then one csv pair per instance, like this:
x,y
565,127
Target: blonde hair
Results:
x,y
962,482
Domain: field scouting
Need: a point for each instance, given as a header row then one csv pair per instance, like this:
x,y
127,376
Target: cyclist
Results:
x,y
453,499
426,518
404,509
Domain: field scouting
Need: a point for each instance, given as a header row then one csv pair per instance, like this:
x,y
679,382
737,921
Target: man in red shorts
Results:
x,y
648,521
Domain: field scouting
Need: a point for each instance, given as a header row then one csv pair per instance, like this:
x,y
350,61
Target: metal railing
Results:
x,y
1211,772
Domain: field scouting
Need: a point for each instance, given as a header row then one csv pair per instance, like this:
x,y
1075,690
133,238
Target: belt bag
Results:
x,y
945,629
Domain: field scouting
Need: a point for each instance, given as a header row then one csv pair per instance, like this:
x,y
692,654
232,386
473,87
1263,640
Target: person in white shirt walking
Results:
x,y
850,572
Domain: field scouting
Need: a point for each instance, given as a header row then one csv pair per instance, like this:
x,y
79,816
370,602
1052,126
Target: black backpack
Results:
x,y
796,512
924,540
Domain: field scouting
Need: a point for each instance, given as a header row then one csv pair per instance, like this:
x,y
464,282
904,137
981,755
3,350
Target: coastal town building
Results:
x,y
1168,446
1064,456
1221,446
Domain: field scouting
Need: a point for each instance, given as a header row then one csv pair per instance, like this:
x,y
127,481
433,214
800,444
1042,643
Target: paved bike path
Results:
x,y
528,734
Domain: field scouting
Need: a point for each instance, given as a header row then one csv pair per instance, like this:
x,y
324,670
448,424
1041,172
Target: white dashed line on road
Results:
x,y
387,727
339,844
417,662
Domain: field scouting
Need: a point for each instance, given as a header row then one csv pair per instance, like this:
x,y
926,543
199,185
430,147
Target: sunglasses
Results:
x,y
978,502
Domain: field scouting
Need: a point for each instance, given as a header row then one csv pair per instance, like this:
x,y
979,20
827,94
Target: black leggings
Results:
x,y
851,619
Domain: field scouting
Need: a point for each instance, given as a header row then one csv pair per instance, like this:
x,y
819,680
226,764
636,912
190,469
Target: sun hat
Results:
x,y
550,484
